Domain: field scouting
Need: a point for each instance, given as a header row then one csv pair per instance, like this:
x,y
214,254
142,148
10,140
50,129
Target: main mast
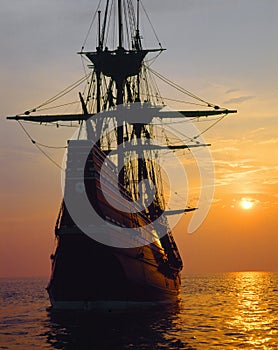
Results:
x,y
120,65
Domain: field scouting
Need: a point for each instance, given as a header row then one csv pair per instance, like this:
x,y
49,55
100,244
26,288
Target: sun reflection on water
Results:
x,y
227,311
253,315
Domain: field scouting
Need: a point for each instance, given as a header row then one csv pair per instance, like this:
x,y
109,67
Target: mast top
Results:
x,y
120,23
119,63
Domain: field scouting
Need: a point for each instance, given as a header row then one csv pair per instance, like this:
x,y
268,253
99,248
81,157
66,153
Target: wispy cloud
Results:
x,y
273,140
225,149
272,181
230,165
255,131
263,175
231,91
237,100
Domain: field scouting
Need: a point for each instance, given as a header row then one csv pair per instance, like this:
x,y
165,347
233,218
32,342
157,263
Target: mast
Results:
x,y
138,14
99,35
119,85
120,23
104,24
138,46
99,48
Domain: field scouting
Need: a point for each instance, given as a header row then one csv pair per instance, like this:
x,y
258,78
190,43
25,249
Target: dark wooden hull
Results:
x,y
86,273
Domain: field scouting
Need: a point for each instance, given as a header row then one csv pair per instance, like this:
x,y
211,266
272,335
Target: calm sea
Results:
x,y
219,311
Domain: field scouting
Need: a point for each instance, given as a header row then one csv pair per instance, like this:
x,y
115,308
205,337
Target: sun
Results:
x,y
246,203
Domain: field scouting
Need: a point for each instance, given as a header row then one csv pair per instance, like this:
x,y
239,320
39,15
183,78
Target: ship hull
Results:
x,y
89,275
131,268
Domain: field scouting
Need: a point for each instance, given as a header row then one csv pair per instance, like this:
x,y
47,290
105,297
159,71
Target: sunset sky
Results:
x,y
225,51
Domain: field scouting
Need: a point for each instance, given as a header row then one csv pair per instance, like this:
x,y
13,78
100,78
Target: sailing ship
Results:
x,y
126,253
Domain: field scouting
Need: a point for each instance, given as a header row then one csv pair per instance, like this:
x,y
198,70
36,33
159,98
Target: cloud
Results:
x,y
238,99
273,140
225,149
231,91
263,175
255,131
228,164
272,181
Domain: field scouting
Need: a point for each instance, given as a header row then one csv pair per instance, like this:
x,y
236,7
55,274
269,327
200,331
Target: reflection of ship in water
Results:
x,y
135,329
121,176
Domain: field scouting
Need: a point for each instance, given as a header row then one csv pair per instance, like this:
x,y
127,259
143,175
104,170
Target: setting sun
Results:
x,y
246,203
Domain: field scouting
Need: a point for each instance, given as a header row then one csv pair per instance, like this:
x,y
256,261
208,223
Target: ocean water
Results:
x,y
218,311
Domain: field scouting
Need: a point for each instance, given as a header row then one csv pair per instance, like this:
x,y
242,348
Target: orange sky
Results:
x,y
244,146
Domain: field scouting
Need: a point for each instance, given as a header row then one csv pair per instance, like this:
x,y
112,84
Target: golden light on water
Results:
x,y
253,316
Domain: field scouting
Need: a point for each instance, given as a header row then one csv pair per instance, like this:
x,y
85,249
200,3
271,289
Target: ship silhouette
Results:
x,y
124,254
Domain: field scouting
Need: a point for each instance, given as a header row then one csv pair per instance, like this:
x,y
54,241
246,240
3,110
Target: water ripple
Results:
x,y
221,311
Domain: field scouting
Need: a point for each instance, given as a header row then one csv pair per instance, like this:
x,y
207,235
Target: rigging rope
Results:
x,y
146,13
151,60
60,94
38,145
108,26
193,139
91,25
181,101
211,126
58,106
179,88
